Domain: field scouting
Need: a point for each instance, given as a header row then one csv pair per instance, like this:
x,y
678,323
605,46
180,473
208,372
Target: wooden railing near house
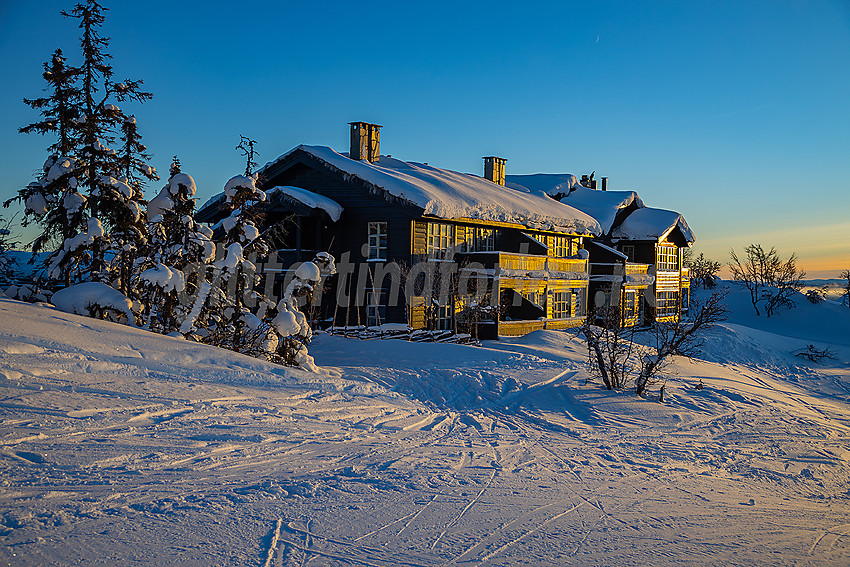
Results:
x,y
531,263
636,269
667,281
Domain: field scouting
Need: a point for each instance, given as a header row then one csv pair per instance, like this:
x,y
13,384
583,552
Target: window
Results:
x,y
377,241
630,306
485,240
559,246
578,302
465,238
666,303
667,258
440,240
443,319
629,251
534,297
562,305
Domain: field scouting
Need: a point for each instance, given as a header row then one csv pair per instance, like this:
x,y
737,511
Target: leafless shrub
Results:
x,y
771,282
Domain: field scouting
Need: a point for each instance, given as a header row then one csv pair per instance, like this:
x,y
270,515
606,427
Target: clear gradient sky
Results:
x,y
734,113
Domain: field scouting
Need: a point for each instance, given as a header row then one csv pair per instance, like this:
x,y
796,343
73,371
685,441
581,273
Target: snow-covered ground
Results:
x,y
120,447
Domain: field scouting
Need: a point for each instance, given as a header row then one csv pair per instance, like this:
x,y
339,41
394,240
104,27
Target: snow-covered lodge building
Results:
x,y
510,257
636,262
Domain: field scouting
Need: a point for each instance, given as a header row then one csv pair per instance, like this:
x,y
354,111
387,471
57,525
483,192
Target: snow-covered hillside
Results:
x,y
123,447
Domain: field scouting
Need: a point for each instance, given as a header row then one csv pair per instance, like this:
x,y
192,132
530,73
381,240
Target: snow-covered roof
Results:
x,y
610,250
601,205
312,200
453,195
549,183
652,224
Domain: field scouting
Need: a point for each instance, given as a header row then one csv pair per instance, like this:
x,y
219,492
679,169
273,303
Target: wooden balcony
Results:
x,y
636,269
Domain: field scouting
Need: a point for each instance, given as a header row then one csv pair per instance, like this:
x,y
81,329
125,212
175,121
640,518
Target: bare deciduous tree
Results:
x,y
610,346
771,281
612,349
703,271
845,275
683,338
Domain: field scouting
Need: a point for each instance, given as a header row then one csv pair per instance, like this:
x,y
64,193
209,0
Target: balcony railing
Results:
x,y
510,263
636,269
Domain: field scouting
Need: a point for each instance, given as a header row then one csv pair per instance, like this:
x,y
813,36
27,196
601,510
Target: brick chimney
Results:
x,y
494,169
604,183
365,141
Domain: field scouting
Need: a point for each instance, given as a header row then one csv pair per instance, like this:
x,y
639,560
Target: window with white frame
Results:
x,y
562,303
377,241
559,246
440,240
666,303
667,258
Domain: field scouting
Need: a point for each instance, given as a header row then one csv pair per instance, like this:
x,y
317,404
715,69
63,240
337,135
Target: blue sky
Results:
x,y
733,113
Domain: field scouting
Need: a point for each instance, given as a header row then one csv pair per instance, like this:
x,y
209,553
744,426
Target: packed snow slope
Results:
x,y
120,447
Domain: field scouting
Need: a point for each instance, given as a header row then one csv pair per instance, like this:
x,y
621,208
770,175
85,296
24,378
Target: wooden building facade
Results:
x,y
421,246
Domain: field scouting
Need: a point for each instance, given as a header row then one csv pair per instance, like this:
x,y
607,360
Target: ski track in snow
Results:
x,y
118,447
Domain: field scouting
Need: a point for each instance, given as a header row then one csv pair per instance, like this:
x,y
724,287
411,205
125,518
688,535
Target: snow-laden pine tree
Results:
x,y
129,231
7,261
236,326
53,200
88,197
177,254
111,179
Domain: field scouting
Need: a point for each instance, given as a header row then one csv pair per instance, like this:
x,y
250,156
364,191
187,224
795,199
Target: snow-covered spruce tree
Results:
x,y
290,323
53,200
236,272
110,179
175,242
129,231
7,262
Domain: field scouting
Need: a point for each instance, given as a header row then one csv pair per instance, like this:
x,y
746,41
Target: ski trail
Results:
x,y
385,526
496,552
273,543
830,532
417,514
468,506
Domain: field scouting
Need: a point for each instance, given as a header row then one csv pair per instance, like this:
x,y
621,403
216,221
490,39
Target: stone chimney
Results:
x,y
604,183
494,169
365,141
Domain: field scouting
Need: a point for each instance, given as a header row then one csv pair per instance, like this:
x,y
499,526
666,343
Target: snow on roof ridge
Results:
x,y
649,223
601,205
451,195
